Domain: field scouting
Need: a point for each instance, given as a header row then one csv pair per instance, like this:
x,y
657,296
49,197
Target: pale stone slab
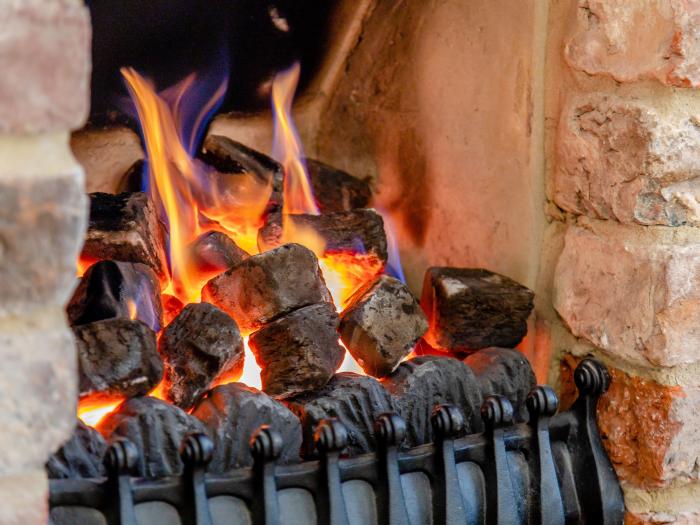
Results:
x,y
631,160
45,59
632,291
42,226
24,499
106,156
38,389
631,40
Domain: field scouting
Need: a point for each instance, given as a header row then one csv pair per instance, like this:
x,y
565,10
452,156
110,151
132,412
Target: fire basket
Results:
x,y
551,470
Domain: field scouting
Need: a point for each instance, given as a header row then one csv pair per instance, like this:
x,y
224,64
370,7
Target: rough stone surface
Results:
x,y
504,372
201,345
628,159
469,309
232,413
649,430
40,236
45,58
381,325
629,41
106,154
336,190
126,227
631,292
299,352
117,358
268,285
663,518
24,498
353,231
354,400
38,390
112,289
80,457
157,428
420,384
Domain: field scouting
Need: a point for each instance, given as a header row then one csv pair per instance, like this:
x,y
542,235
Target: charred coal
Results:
x,y
354,400
298,352
201,345
381,325
117,358
232,412
469,309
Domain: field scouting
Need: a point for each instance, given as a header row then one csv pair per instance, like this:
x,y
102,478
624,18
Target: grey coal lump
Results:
x,y
469,309
214,252
232,413
299,352
117,358
114,289
79,457
505,372
355,400
126,227
352,231
200,345
336,190
156,428
268,285
381,325
422,383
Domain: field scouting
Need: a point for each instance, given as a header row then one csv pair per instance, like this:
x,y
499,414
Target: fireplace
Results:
x,y
320,279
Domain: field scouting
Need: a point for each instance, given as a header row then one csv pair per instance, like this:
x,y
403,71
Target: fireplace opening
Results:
x,y
309,288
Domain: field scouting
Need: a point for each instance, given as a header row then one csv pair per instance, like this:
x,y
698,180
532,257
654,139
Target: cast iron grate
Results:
x,y
551,470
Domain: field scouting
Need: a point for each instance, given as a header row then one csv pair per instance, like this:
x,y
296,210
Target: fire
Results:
x,y
194,199
91,411
286,149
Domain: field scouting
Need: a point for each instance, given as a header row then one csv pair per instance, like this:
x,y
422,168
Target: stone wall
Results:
x,y
45,59
622,257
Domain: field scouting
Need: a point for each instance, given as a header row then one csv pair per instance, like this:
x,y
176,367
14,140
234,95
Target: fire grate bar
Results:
x,y
552,470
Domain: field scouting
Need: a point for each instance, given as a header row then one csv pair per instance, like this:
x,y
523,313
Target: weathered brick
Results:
x,y
38,390
40,237
648,429
663,518
45,60
632,291
628,159
23,499
632,40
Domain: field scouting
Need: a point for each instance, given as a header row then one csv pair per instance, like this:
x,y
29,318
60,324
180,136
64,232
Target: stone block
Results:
x,y
45,57
637,40
38,390
632,291
24,499
40,236
632,160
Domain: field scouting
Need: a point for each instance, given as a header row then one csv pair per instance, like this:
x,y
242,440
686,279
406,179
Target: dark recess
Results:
x,y
168,39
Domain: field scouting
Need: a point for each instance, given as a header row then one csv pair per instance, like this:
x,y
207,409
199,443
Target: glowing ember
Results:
x,y
91,412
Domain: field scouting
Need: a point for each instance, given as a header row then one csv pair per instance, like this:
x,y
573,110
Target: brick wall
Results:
x,y
45,60
623,143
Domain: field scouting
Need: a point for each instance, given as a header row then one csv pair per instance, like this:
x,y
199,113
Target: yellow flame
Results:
x,y
133,311
92,412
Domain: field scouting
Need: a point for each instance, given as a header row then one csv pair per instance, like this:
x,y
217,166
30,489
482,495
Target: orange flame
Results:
x,y
286,149
91,411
